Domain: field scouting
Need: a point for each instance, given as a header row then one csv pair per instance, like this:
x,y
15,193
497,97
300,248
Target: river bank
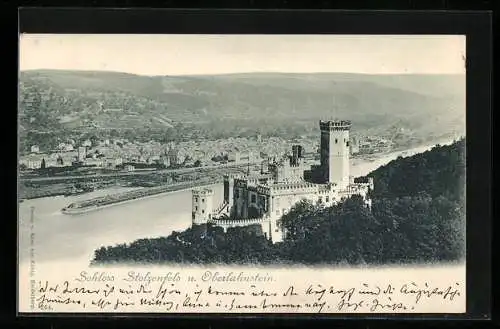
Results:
x,y
82,235
135,195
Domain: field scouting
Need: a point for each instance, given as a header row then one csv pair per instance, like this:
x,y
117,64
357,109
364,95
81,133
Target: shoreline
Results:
x,y
356,161
92,209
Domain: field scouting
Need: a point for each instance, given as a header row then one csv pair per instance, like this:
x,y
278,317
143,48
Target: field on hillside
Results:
x,y
225,105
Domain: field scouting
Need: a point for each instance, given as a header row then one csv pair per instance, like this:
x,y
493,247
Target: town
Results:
x,y
80,166
125,155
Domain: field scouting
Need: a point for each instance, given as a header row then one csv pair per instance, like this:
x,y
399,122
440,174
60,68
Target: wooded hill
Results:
x,y
418,216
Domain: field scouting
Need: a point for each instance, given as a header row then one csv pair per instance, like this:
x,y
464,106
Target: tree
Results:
x,y
300,219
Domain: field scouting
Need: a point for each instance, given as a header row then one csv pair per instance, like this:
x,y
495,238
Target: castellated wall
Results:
x,y
227,223
268,226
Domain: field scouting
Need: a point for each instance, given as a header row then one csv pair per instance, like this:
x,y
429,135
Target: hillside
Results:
x,y
437,172
422,104
417,216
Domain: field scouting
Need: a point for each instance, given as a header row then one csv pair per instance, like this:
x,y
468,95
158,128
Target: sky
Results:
x,y
220,54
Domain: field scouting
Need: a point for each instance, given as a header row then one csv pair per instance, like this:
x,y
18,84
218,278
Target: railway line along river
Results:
x,y
60,238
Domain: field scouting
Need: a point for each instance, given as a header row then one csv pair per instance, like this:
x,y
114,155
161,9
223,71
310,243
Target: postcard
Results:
x,y
320,174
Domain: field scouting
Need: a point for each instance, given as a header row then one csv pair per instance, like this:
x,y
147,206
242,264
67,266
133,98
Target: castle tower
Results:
x,y
228,189
296,154
334,148
202,205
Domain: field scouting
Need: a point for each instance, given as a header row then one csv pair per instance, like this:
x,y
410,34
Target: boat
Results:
x,y
75,209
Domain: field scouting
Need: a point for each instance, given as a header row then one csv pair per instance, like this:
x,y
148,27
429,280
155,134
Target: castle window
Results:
x,y
336,141
253,198
196,208
347,143
196,199
327,199
203,211
202,200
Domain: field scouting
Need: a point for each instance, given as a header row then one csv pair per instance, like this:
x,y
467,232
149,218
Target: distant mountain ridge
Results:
x,y
76,98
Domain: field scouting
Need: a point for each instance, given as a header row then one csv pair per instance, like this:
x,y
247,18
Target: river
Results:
x,y
60,238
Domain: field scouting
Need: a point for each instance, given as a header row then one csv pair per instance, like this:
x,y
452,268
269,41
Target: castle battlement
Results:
x,y
295,188
232,176
355,188
227,223
265,190
203,192
324,188
239,221
331,125
240,182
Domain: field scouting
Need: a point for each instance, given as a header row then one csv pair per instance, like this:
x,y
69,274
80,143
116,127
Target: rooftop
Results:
x,y
204,191
335,123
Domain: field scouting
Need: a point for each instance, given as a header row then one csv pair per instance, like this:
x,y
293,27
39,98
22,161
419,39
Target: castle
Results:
x,y
263,199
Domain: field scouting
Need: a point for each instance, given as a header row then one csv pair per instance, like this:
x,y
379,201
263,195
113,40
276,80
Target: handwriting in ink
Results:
x,y
376,291
235,305
163,291
187,303
128,291
262,293
343,304
212,291
120,303
376,305
143,290
389,290
45,287
108,290
412,289
320,292
78,290
43,301
165,295
101,303
290,292
265,304
157,302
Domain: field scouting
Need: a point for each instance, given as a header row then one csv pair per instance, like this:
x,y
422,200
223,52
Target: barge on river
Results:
x,y
85,206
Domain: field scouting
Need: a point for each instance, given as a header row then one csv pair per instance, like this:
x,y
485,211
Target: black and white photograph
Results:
x,y
336,152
